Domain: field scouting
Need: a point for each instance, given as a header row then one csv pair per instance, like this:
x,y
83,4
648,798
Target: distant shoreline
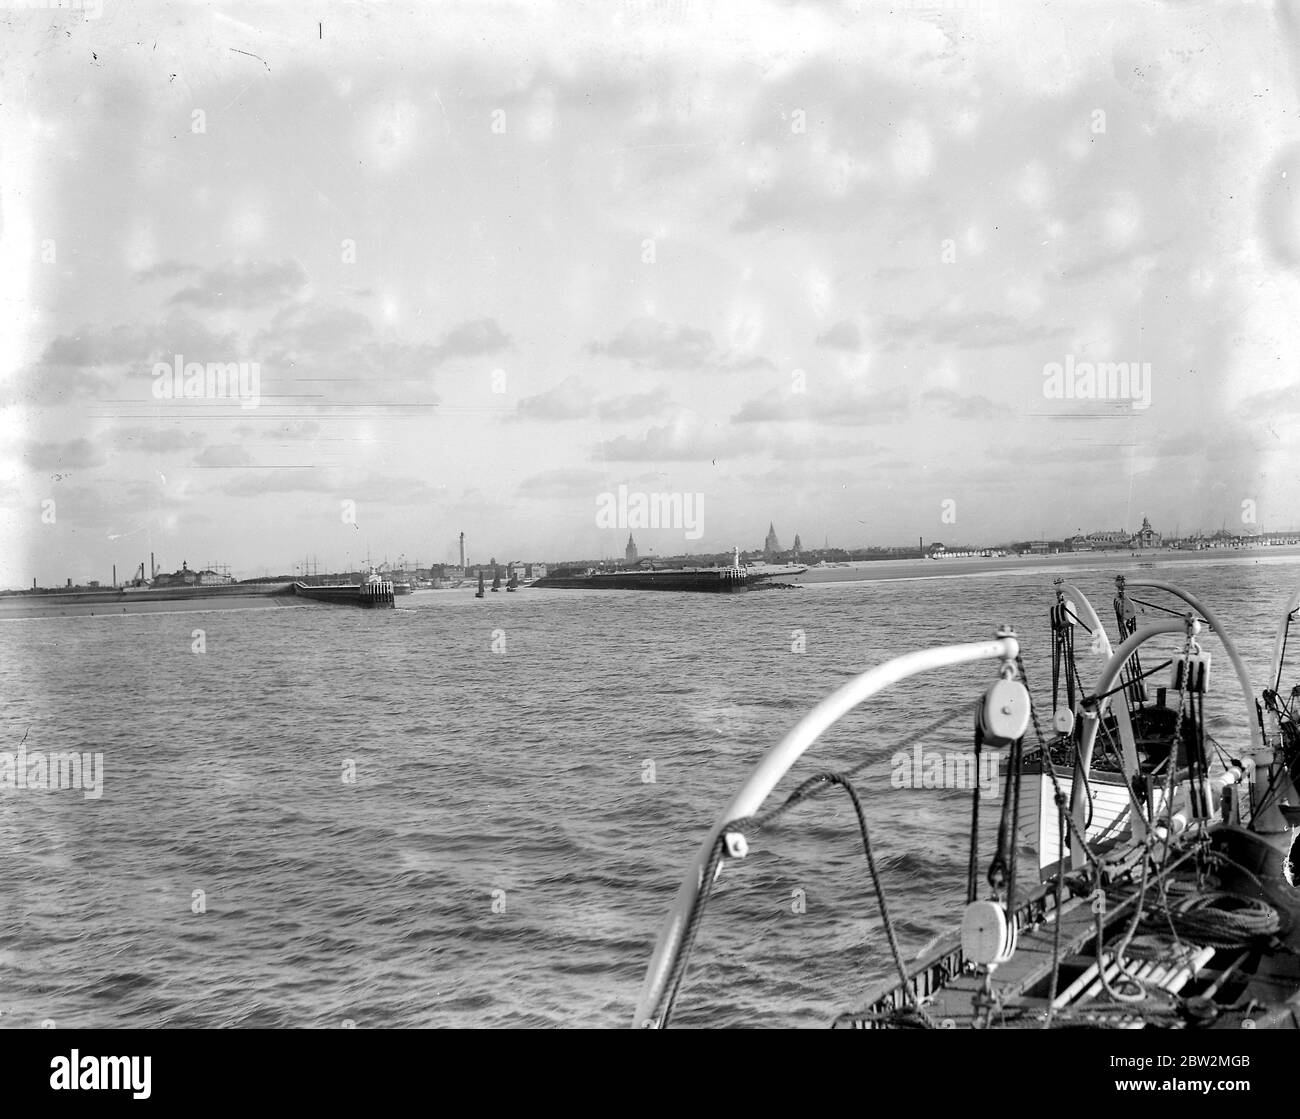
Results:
x,y
107,602
882,570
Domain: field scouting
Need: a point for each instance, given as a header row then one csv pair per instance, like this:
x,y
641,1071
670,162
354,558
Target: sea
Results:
x,y
476,813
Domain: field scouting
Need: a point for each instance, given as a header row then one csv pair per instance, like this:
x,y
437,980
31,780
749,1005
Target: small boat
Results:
x,y
513,585
496,579
1169,890
479,593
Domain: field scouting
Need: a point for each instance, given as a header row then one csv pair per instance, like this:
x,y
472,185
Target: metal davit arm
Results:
x,y
772,767
1279,645
1092,717
1127,739
1256,735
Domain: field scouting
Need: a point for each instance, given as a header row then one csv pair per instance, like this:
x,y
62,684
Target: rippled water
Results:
x,y
501,858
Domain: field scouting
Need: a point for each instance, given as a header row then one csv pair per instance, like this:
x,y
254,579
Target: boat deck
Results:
x,y
1255,981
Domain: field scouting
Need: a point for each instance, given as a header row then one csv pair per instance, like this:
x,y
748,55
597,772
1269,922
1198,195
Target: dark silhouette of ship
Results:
x,y
717,580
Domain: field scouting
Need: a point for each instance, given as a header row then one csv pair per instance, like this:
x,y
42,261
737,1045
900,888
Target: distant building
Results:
x,y
1117,539
1146,536
182,578
798,547
630,554
186,577
771,546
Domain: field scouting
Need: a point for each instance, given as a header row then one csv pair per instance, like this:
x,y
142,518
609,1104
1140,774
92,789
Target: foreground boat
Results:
x,y
1166,894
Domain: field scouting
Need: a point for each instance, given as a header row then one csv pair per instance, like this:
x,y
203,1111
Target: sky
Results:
x,y
842,268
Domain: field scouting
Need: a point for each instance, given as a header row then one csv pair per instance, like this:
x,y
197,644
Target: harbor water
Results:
x,y
476,812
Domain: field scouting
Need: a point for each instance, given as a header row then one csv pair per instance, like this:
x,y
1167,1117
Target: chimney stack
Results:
x,y
462,551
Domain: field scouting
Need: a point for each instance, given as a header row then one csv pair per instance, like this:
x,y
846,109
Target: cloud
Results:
x,y
76,453
562,483
839,404
469,339
574,399
223,455
683,440
165,270
152,440
967,330
90,362
1281,402
569,400
635,406
958,406
844,335
655,344
252,284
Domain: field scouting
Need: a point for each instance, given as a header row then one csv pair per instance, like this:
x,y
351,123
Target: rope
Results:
x,y
972,864
808,789
1056,924
1222,919
1121,687
1047,766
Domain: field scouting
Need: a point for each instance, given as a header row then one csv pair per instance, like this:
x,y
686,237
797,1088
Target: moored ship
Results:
x,y
719,580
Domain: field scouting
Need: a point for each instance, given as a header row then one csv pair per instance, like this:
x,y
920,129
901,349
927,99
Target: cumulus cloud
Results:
x,y
563,483
73,454
654,344
223,456
244,284
571,399
844,335
835,404
683,440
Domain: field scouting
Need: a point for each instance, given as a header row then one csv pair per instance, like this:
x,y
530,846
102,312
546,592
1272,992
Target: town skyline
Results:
x,y
1100,540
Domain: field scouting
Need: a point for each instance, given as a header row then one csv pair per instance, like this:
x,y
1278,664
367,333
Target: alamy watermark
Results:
x,y
217,380
38,770
1103,380
651,510
946,769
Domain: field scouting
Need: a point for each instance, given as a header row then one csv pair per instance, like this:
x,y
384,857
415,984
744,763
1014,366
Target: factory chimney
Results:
x,y
462,551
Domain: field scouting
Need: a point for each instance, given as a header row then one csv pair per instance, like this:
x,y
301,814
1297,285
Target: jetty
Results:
x,y
372,595
716,580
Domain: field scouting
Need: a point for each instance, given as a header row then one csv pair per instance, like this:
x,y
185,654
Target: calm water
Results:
x,y
500,858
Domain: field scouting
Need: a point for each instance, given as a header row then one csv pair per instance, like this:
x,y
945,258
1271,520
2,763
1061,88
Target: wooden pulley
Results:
x,y
987,937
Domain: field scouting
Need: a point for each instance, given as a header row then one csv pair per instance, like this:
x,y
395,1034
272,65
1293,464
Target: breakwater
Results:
x,y
143,600
715,580
368,595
